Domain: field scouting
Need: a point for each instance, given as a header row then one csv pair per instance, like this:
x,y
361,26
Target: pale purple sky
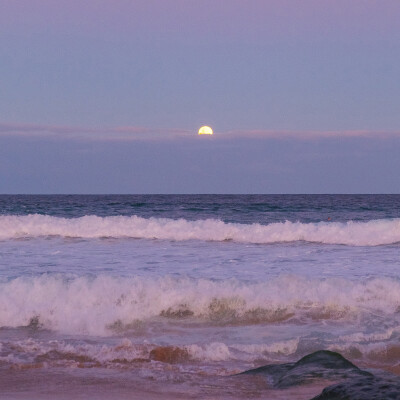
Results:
x,y
107,96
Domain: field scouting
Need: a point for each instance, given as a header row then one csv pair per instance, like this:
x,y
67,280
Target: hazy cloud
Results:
x,y
311,134
117,134
135,133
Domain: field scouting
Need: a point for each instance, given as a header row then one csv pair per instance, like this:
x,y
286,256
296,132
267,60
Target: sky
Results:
x,y
106,96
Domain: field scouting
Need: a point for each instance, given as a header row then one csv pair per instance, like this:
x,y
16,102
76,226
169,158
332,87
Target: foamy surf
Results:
x,y
105,305
371,233
126,351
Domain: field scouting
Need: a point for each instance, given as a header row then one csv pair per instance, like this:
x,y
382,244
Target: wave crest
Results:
x,y
371,233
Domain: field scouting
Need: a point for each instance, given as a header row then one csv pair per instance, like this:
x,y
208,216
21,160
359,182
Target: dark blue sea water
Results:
x,y
245,209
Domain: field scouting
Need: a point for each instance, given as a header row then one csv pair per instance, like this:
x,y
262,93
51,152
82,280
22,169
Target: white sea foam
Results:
x,y
126,351
285,347
361,337
105,305
369,233
210,352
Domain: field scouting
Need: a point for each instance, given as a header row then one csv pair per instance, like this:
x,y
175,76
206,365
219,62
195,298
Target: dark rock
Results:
x,y
322,364
363,388
354,383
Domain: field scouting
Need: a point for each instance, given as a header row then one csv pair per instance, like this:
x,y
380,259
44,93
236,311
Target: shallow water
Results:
x,y
176,293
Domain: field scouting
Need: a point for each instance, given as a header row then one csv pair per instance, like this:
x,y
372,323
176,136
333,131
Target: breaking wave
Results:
x,y
108,305
371,233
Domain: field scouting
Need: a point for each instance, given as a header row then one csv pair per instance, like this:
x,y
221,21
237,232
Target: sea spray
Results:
x,y
107,305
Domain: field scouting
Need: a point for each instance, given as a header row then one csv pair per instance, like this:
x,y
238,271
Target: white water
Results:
x,y
96,306
79,292
371,233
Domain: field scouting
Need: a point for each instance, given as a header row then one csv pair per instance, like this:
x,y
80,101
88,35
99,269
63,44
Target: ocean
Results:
x,y
171,296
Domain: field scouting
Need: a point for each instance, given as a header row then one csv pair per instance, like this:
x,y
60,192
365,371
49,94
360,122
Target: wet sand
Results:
x,y
41,384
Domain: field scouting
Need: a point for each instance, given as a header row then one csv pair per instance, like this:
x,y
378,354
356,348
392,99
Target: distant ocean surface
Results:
x,y
176,292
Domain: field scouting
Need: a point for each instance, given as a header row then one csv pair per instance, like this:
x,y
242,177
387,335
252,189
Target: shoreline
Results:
x,y
62,383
